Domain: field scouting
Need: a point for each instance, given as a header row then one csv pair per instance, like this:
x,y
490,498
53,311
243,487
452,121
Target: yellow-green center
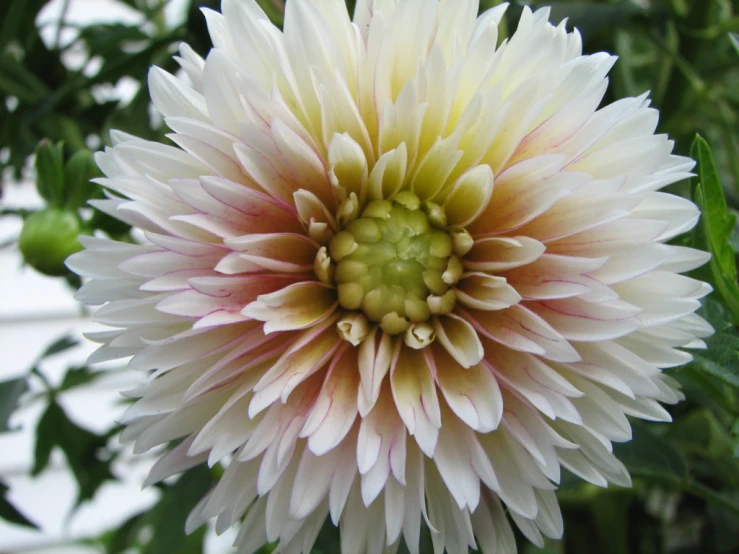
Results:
x,y
392,262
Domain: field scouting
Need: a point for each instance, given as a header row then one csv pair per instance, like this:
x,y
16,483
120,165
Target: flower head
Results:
x,y
394,271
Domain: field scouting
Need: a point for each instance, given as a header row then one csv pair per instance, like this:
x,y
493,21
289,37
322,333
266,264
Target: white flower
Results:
x,y
392,272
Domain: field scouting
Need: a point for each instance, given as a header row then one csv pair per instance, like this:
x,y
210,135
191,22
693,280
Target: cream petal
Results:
x,y
414,393
375,357
333,414
173,97
289,252
381,447
348,165
469,196
486,292
308,354
388,174
501,254
460,339
295,307
554,276
521,329
579,320
472,394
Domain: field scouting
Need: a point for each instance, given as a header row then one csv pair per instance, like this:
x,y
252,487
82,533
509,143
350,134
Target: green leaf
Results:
x,y
50,172
78,376
8,512
717,225
162,527
169,514
721,358
78,187
699,433
590,18
80,448
10,393
650,456
273,11
734,39
60,345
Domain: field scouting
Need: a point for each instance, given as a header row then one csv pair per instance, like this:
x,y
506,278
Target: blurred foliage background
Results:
x,y
685,498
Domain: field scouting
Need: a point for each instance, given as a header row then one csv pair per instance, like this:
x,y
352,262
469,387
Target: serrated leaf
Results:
x,y
721,359
10,393
717,224
10,513
80,448
648,455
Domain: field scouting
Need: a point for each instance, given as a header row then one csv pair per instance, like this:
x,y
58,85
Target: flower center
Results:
x,y
395,263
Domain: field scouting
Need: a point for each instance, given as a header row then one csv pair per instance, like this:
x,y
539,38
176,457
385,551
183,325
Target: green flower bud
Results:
x,y
48,238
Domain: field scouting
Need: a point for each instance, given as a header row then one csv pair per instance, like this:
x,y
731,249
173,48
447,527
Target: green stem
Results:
x,y
709,495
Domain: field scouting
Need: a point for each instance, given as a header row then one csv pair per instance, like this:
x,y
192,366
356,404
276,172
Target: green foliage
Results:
x,y
10,393
717,226
10,513
81,448
161,528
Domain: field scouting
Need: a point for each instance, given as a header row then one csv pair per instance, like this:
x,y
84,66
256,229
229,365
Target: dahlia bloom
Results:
x,y
392,271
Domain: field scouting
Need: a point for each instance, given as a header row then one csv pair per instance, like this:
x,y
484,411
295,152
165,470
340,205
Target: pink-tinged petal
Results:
x,y
310,352
492,527
214,294
375,355
324,475
282,252
218,162
579,320
172,96
523,191
381,446
415,397
173,462
628,261
295,307
462,463
460,339
315,216
473,394
278,160
229,209
261,213
501,254
277,433
336,407
529,378
469,196
155,264
625,232
663,296
486,292
553,276
576,214
521,329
